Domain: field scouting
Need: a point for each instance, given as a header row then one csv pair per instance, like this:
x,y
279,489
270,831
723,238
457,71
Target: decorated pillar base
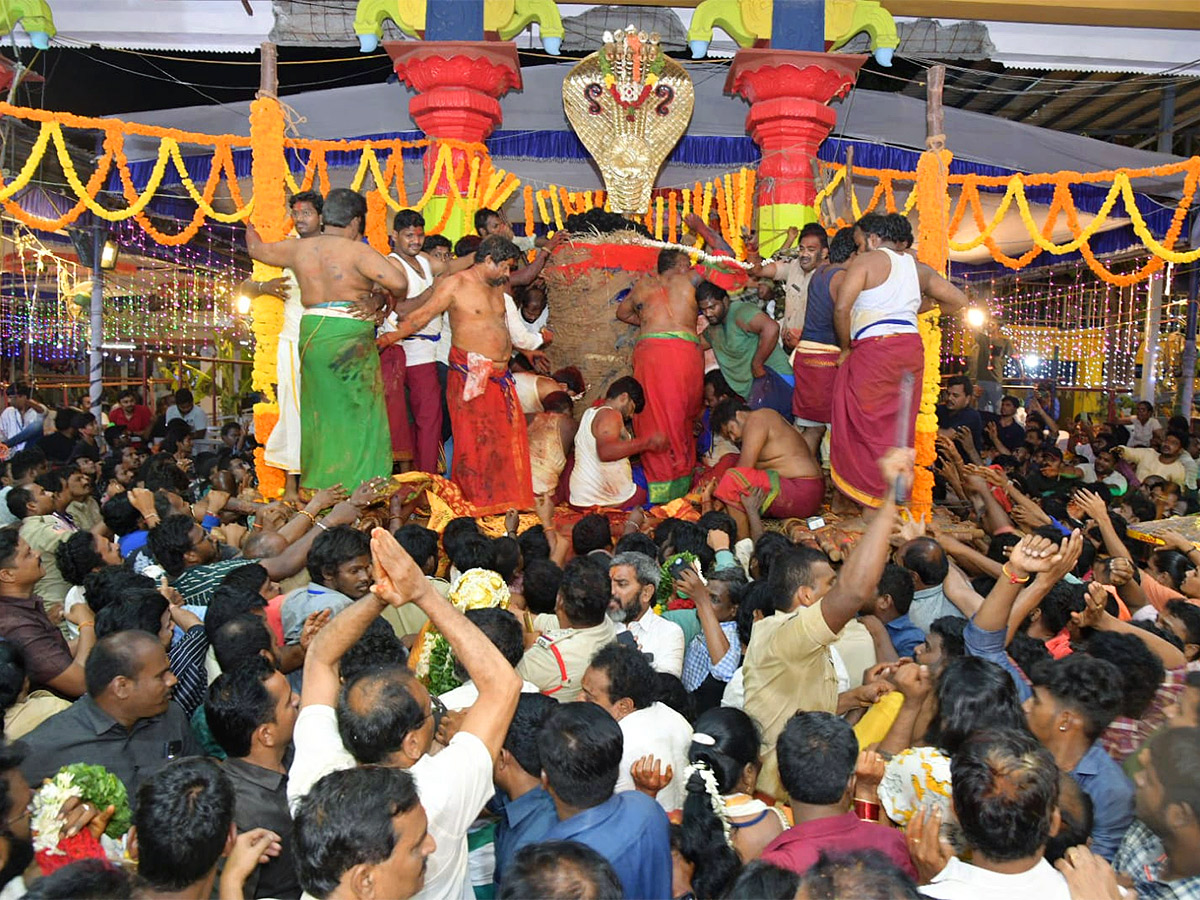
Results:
x,y
788,91
458,85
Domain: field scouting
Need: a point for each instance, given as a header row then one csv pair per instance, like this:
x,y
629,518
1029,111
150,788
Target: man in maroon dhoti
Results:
x,y
669,364
875,316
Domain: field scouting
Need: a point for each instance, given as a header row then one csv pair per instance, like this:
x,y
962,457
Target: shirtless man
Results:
x,y
603,476
340,383
775,458
669,364
551,439
533,389
491,446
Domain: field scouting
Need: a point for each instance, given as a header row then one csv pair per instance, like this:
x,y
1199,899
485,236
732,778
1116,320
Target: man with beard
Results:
x,y
796,275
634,579
746,343
491,445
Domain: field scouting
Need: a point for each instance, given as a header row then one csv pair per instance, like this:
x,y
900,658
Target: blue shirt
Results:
x,y
132,542
990,645
631,831
698,664
1112,799
525,820
905,635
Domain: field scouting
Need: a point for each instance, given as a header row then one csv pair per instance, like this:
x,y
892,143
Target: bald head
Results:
x,y
378,709
116,655
264,545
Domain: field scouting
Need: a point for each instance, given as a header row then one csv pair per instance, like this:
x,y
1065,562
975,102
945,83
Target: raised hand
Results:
x,y
1035,554
896,465
930,852
913,681
1092,505
326,497
251,849
1176,541
1096,610
312,624
1120,571
276,287
397,578
649,776
367,492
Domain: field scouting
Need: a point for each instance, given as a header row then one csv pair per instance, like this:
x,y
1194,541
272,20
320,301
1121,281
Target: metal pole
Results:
x,y
96,338
1187,388
1154,305
1166,120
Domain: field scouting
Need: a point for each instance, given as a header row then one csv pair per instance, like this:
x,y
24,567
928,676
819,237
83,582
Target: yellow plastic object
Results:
x,y
505,17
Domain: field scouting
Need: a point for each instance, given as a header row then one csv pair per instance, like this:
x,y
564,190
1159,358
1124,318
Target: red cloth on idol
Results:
x,y
866,404
671,372
812,397
392,365
491,445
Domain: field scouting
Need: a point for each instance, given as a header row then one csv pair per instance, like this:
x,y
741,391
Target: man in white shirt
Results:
x,y
1143,425
22,414
185,408
620,681
1005,788
388,716
634,578
811,252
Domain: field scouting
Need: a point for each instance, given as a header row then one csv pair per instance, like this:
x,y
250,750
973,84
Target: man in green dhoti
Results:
x,y
343,419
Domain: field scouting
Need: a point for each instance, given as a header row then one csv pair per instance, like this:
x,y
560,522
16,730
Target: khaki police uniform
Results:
x,y
557,660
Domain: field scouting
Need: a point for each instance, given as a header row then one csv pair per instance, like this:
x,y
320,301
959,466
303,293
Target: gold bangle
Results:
x,y
311,518
91,625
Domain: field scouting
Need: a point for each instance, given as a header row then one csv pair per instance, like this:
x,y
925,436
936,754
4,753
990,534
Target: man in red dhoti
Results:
x,y
669,364
392,365
875,316
491,446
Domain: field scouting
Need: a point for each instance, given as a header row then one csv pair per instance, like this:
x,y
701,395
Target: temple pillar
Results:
x,y
789,92
458,85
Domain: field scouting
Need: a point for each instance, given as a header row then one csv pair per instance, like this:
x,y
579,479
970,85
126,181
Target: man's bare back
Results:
x,y
661,303
770,442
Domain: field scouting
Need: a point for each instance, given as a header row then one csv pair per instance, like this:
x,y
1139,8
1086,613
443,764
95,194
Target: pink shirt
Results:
x,y
800,846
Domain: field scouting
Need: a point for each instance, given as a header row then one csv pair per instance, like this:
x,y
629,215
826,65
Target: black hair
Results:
x,y
1090,687
720,386
1077,819
228,602
636,542
768,546
688,537
973,694
251,577
592,532
498,249
160,472
859,873
243,638
669,691
377,648
1005,789
1028,653
521,740
629,674
543,578
706,290
375,712
18,501
238,703
1141,671
1174,565
756,598
420,543
734,746
482,217
182,817
668,259
560,870
501,628
111,584
962,381
313,198
343,206
77,557
21,463
10,537
581,746
763,881
585,591
725,412
791,570
333,548
1175,757
18,389
893,229
816,752
1189,615
345,820
119,515
926,559
12,674
467,245
534,544
717,520
506,557
896,582
170,541
433,241
842,246
664,531
812,229
571,377
140,612
950,629
96,879
1060,601
471,551
407,218
627,384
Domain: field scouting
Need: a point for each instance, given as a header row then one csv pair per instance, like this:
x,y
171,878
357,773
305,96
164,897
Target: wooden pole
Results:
x,y
935,114
268,73
819,183
848,184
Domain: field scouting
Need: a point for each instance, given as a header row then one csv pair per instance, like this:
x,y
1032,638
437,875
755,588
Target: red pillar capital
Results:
x,y
789,92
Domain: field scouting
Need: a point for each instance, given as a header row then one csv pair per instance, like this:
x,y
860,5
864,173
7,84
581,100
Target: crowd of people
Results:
x,y
352,696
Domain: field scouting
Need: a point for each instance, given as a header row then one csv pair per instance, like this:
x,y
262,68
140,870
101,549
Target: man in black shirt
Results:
x,y
1004,432
957,412
58,446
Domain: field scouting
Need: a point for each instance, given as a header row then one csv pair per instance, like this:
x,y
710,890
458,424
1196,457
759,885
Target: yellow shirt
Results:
x,y
787,669
21,718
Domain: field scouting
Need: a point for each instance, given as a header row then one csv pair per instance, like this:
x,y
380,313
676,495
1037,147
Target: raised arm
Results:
x,y
1096,616
860,575
847,292
529,274
948,297
400,581
1029,557
321,681
767,330
439,302
278,253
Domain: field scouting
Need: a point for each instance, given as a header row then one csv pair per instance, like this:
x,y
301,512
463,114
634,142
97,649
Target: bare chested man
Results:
x,y
669,364
343,420
774,458
491,447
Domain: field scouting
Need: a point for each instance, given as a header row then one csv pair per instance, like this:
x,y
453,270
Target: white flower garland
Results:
x,y
47,803
715,800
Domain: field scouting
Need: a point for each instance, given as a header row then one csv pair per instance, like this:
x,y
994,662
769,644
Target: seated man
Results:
x,y
581,749
775,459
603,475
